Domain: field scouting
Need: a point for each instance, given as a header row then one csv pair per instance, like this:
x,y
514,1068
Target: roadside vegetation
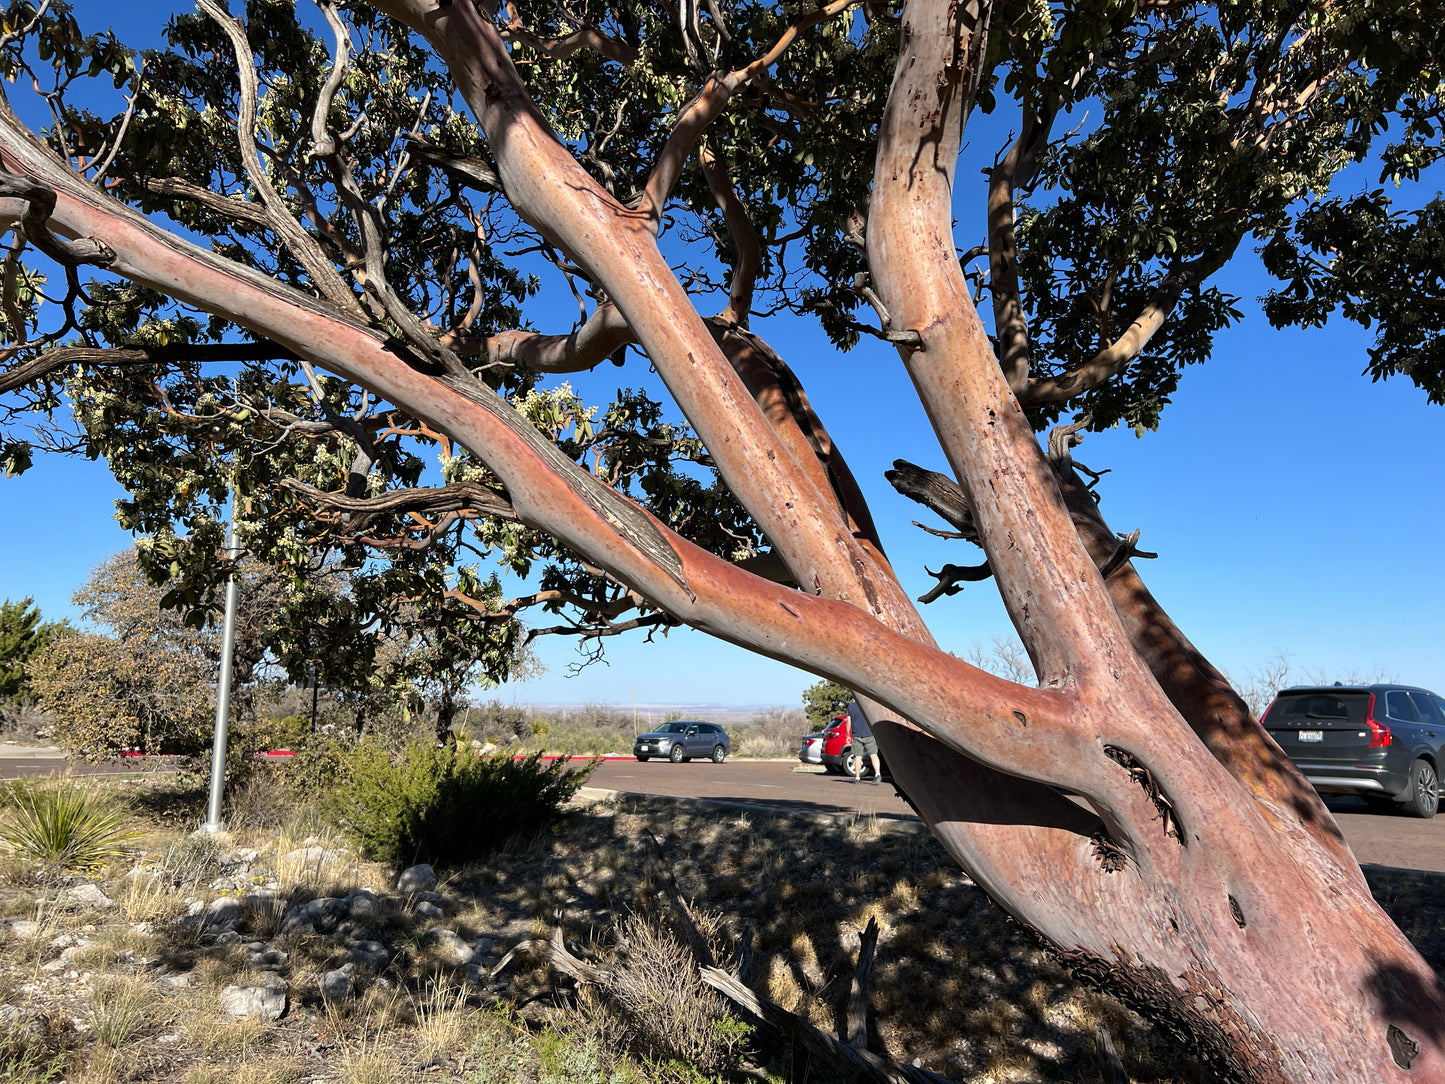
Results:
x,y
278,953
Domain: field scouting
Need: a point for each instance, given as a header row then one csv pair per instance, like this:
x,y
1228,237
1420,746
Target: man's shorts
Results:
x,y
868,746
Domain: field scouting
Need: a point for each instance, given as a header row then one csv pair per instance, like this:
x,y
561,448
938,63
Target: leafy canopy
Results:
x,y
1150,143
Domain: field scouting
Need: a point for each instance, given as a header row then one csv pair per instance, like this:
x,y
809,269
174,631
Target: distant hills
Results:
x,y
728,714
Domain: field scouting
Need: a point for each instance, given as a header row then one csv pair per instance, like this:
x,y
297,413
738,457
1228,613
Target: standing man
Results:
x,y
864,744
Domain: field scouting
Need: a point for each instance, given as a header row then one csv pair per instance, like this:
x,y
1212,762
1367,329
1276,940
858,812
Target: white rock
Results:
x,y
266,1002
23,927
223,910
336,984
419,878
450,947
86,895
428,910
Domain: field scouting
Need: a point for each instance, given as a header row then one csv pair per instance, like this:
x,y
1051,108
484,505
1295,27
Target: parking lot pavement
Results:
x,y
1376,839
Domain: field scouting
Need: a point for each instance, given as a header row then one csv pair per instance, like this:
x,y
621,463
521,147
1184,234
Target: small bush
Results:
x,y
319,765
445,806
674,1015
25,1057
65,826
193,858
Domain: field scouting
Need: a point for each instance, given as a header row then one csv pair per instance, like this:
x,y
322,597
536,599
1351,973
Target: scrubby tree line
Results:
x,y
142,674
22,636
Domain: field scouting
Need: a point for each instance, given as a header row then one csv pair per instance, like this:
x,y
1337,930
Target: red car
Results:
x,y
837,752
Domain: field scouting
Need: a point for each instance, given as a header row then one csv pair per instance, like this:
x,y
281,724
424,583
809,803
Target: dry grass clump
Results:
x,y
671,1012
279,1071
444,1022
123,1008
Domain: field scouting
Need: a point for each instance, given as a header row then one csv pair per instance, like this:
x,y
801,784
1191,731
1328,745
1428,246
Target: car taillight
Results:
x,y
1380,735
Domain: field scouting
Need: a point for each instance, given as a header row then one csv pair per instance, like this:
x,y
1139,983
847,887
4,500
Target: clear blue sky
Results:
x,y
1295,507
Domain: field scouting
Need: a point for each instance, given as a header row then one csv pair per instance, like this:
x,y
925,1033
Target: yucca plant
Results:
x,y
65,826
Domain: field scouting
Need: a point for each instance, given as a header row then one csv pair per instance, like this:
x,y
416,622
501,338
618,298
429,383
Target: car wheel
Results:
x,y
1423,797
676,755
641,760
718,753
850,763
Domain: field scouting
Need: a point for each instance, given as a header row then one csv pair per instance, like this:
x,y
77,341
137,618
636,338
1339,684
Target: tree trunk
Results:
x,y
1186,873
1261,937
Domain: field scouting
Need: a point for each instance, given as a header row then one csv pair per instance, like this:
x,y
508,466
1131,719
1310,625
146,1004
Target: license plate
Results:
x,y
1311,735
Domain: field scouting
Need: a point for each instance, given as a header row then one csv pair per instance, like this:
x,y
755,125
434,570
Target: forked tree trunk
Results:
x,y
1195,871
1230,909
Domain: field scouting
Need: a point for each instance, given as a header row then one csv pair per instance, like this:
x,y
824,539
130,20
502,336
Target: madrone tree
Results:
x,y
295,259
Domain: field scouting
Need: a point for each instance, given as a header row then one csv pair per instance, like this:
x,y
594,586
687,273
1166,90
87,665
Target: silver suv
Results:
x,y
1382,742
682,741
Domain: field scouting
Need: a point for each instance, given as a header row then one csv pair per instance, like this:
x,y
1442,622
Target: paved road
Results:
x,y
19,767
1377,839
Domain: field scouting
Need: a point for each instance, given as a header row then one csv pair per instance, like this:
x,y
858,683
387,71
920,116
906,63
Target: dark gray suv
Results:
x,y
683,740
1382,742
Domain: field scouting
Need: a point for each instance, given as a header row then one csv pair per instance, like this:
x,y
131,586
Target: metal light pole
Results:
x,y
223,689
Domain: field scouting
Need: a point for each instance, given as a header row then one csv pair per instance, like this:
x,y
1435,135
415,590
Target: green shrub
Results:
x,y
443,805
319,764
65,826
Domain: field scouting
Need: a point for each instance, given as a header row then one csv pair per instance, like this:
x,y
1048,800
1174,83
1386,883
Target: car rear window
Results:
x,y
1290,709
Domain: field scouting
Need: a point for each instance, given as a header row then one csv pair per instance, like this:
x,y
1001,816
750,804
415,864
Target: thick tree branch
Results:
x,y
323,142
62,357
464,169
589,37
1013,172
301,244
39,203
232,207
747,249
951,578
937,492
694,118
453,497
600,337
1115,358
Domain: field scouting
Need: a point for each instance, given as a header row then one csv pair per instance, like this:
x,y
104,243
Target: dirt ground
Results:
x,y
345,975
